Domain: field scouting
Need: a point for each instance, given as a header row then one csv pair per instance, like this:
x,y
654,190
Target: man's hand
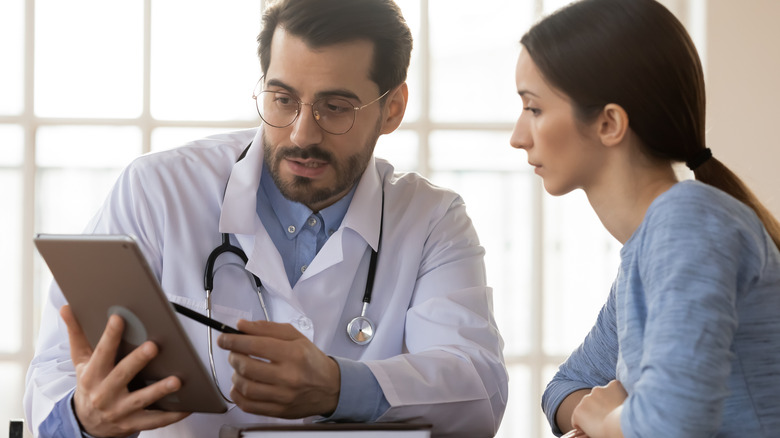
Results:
x,y
279,372
103,404
598,413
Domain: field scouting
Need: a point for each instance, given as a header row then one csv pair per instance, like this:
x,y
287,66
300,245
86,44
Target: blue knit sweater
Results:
x,y
691,327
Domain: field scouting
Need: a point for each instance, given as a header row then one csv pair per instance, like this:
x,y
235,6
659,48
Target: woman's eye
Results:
x,y
534,111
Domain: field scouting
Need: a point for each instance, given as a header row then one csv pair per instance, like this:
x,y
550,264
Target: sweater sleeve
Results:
x,y
591,364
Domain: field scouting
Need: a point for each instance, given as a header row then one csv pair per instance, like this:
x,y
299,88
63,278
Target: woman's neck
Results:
x,y
621,198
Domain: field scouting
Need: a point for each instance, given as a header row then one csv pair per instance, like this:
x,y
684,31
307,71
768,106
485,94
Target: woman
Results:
x,y
688,342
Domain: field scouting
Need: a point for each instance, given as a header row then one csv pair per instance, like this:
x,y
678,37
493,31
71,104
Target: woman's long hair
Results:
x,y
635,53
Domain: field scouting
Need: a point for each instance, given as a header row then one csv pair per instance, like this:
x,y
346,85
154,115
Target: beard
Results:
x,y
301,189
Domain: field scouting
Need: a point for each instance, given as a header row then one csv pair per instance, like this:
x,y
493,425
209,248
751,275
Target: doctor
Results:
x,y
309,205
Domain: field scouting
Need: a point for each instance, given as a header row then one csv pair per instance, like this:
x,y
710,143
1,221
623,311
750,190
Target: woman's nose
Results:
x,y
521,138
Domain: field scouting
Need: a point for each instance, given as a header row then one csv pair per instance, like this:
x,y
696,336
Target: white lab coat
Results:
x,y
436,353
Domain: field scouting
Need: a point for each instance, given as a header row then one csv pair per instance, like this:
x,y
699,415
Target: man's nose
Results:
x,y
306,131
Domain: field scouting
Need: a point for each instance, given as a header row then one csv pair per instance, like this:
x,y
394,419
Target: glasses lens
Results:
x,y
334,115
276,108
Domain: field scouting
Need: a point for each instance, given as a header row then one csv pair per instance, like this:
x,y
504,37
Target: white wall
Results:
x,y
743,90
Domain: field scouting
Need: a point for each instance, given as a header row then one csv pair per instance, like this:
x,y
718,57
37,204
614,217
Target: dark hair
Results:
x,y
635,53
321,23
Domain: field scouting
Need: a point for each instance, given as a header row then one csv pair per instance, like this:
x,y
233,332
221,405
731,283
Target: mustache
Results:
x,y
314,152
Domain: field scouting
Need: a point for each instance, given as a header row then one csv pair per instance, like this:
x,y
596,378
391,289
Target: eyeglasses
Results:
x,y
335,115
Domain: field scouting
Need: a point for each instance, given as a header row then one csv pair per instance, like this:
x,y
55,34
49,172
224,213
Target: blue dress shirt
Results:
x,y
296,231
299,234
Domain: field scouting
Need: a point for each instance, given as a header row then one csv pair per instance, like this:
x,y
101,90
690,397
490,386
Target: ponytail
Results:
x,y
716,174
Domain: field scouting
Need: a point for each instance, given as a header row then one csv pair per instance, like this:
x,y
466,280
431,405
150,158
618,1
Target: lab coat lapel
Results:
x,y
239,203
239,217
365,212
362,217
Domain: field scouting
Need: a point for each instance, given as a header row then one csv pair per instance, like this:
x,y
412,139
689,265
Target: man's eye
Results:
x,y
285,101
337,106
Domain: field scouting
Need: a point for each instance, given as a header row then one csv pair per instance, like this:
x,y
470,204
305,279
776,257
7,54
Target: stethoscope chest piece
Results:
x,y
360,330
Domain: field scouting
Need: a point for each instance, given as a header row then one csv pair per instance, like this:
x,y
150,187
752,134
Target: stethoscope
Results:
x,y
360,329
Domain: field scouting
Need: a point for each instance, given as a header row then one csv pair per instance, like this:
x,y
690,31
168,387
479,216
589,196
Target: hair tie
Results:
x,y
699,159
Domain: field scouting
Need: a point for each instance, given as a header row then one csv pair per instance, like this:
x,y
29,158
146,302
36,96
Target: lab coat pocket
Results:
x,y
224,314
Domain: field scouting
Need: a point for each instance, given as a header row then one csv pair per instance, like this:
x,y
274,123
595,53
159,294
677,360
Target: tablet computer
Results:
x,y
101,275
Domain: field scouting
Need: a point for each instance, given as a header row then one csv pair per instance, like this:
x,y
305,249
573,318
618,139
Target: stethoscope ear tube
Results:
x,y
208,276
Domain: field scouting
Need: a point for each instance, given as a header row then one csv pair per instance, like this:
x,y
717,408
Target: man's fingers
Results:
x,y
260,391
259,346
258,407
129,416
271,329
104,356
272,341
130,365
144,397
102,386
80,350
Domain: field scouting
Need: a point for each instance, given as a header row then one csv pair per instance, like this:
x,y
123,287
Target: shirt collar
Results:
x,y
296,214
239,207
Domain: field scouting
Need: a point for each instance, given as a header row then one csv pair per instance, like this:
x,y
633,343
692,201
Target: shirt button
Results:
x,y
304,323
312,221
303,269
291,229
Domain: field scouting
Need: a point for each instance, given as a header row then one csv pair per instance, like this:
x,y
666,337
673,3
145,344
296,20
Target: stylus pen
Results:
x,y
203,319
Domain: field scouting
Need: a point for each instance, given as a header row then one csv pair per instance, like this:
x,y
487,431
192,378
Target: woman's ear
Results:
x,y
612,124
395,107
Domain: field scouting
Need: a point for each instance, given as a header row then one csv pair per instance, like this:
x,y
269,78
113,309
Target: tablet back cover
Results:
x,y
105,274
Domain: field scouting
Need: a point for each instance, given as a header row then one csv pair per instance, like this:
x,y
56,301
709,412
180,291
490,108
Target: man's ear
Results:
x,y
612,124
395,107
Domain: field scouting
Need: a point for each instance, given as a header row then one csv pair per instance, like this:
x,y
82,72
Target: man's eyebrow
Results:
x,y
339,92
280,84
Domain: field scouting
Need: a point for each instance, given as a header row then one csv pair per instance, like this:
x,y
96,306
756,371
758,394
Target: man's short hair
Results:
x,y
322,23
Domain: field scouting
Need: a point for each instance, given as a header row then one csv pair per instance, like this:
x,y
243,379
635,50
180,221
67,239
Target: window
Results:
x,y
88,85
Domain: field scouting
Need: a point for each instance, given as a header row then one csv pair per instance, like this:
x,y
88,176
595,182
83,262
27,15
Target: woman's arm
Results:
x,y
598,413
566,409
591,364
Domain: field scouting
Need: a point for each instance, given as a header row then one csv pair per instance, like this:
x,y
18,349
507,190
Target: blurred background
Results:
x,y
87,85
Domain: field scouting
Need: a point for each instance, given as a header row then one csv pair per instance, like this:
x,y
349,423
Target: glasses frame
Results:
x,y
256,94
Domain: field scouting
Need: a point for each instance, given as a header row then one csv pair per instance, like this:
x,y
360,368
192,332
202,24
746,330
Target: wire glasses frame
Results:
x,y
333,114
